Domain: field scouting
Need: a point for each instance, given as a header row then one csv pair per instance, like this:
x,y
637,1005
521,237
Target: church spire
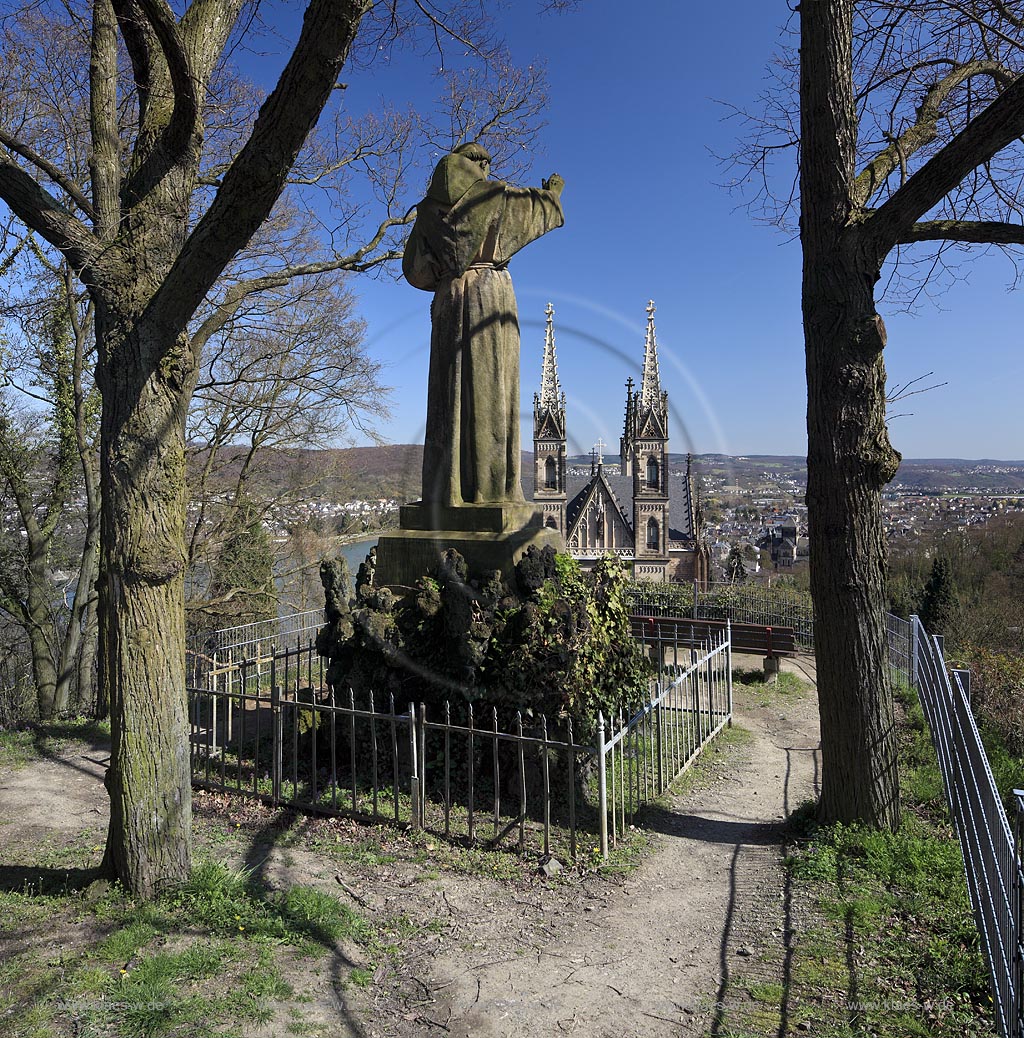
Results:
x,y
550,390
650,382
549,436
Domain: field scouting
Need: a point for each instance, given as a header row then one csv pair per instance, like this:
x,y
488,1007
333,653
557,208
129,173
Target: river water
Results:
x,y
356,552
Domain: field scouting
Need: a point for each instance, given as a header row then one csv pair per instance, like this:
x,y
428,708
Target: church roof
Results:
x,y
620,489
581,496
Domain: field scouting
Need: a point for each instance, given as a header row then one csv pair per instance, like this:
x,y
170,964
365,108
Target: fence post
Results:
x,y
277,738
914,649
602,787
659,720
728,665
965,680
414,779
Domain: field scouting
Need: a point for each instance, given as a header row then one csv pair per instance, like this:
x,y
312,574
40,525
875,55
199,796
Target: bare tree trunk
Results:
x,y
849,456
142,602
75,647
87,699
38,624
849,461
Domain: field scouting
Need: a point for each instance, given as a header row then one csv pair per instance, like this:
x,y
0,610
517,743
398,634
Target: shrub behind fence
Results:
x,y
273,729
740,602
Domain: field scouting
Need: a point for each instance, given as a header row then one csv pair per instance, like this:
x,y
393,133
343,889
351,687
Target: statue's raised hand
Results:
x,y
554,183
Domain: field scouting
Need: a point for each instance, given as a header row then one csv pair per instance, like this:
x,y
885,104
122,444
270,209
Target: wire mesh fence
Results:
x,y
991,854
1017,1015
900,641
212,654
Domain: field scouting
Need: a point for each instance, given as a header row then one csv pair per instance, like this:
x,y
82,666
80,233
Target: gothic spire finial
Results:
x,y
550,390
650,382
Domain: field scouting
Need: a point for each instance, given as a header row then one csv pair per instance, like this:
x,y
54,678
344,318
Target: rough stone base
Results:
x,y
488,537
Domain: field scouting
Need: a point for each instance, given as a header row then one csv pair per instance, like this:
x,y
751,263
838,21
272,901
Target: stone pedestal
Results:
x,y
488,537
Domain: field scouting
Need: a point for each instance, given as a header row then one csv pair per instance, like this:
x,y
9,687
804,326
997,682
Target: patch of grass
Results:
x,y
771,993
784,685
1007,768
16,747
360,977
29,741
202,959
886,943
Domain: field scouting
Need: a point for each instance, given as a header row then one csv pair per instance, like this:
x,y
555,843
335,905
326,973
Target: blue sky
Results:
x,y
633,126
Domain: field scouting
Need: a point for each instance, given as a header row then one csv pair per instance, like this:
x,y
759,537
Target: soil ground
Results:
x,y
647,954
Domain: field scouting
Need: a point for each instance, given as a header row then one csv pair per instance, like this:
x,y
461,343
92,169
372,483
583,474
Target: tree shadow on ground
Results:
x,y
741,833
93,736
261,844
39,880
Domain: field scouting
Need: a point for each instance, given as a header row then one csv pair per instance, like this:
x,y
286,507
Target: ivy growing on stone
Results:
x,y
554,641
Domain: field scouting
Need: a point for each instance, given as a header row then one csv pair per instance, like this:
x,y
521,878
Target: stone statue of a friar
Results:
x,y
466,231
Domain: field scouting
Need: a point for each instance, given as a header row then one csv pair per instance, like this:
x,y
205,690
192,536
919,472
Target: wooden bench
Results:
x,y
758,640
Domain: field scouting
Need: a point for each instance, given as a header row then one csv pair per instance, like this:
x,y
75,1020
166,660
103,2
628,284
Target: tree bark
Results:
x,y
849,457
142,658
38,624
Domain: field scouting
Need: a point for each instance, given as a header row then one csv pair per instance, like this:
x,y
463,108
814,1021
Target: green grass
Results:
x,y
1007,769
784,685
201,959
886,945
25,742
16,747
897,935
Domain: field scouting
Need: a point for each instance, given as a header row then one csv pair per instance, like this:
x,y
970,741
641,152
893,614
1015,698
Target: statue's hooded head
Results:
x,y
457,172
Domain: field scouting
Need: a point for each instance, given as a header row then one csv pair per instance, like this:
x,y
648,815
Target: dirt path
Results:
x,y
652,956
647,956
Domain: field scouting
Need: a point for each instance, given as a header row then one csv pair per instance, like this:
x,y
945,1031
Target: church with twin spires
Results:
x,y
643,514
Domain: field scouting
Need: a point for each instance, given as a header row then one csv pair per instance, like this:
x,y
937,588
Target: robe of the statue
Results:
x,y
466,231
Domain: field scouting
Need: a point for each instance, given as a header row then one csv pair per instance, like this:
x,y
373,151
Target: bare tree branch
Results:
x,y
105,160
39,210
258,173
185,111
64,182
978,232
924,130
986,134
361,260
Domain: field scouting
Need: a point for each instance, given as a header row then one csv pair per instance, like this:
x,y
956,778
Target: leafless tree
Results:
x,y
49,475
279,381
182,169
911,116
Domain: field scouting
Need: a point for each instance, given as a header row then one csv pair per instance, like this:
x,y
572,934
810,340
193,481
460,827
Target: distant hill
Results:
x,y
394,471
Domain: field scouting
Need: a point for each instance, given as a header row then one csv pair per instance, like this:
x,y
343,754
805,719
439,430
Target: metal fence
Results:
x,y
900,640
1018,988
991,854
639,757
278,732
741,602
218,651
